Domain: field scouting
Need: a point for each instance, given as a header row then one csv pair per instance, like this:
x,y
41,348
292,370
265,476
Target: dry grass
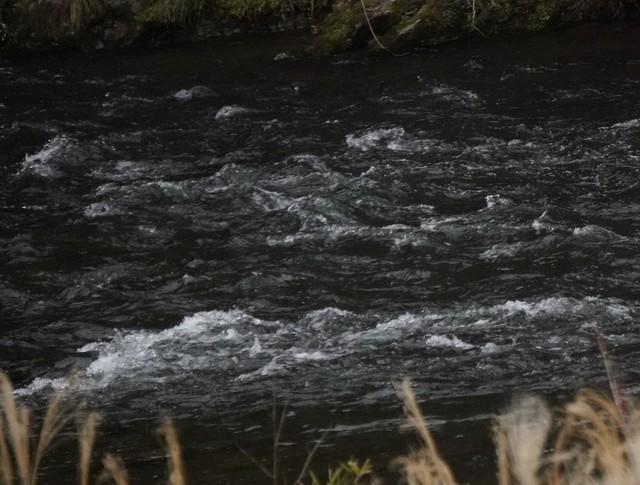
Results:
x,y
172,451
86,439
593,440
520,435
21,453
423,466
83,12
18,458
114,469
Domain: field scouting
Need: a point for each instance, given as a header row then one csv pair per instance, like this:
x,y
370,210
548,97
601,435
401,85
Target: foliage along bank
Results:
x,y
339,24
400,24
97,24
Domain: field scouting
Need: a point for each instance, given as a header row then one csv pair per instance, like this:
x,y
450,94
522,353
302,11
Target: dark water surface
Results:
x,y
197,228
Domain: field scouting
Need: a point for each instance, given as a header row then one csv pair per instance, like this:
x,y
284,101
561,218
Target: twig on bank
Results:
x,y
277,432
307,463
612,377
253,460
375,37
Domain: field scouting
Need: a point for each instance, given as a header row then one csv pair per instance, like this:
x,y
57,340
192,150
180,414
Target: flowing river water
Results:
x,y
198,229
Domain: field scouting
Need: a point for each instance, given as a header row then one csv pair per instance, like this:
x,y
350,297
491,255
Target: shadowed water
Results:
x,y
196,228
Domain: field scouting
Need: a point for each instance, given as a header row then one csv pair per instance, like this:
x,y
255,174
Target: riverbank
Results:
x,y
336,25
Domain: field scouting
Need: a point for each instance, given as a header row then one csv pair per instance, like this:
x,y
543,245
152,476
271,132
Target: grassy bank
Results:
x,y
404,24
340,24
95,24
592,440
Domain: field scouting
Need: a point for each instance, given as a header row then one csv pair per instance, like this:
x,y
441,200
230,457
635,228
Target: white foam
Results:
x,y
194,92
289,240
544,223
271,369
191,344
230,111
496,200
281,56
40,162
322,214
43,384
391,138
614,308
489,348
502,250
454,95
444,341
320,319
473,316
270,201
213,341
395,328
473,65
627,125
534,69
585,230
285,362
593,230
256,348
101,209
321,227
433,224
233,345
311,356
554,306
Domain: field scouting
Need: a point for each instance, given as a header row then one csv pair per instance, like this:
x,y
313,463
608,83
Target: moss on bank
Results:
x,y
90,24
428,22
342,24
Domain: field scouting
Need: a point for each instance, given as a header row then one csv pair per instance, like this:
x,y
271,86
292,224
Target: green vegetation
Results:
x,y
343,24
339,29
347,473
170,11
426,22
257,8
592,440
30,23
38,24
182,11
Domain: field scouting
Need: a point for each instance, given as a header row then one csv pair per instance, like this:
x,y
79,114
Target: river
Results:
x,y
204,230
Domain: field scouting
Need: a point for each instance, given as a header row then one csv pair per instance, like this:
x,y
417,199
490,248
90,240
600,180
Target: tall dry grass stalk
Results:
x,y
17,430
114,469
423,466
83,12
598,442
594,440
520,435
86,440
6,470
21,456
16,435
173,453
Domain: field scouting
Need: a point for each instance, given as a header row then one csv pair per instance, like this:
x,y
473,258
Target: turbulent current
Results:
x,y
195,229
